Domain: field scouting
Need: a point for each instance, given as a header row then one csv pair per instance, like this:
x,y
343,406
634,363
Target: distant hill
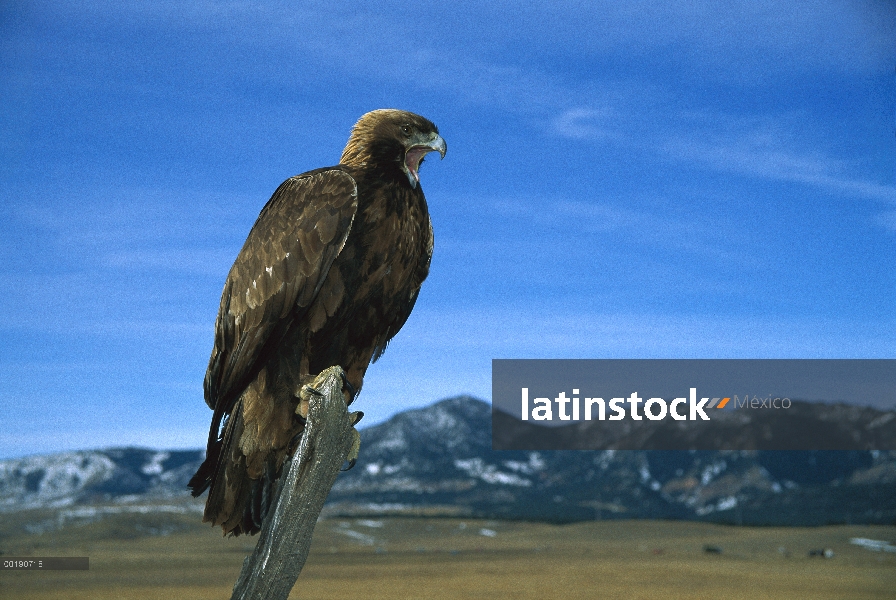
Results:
x,y
438,461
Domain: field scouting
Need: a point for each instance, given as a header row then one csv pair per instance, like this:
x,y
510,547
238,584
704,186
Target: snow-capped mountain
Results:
x,y
441,457
438,461
95,476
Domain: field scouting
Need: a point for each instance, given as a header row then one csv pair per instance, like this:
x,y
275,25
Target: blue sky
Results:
x,y
625,180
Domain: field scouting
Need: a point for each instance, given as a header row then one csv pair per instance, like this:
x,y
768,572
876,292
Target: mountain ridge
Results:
x,y
438,460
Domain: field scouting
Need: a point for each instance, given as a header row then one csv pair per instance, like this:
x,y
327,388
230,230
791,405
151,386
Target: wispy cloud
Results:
x,y
771,162
763,147
586,124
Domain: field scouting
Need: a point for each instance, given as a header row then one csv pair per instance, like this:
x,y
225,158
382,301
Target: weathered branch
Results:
x,y
272,569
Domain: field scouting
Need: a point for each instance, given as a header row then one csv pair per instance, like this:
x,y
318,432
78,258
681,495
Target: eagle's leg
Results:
x,y
310,390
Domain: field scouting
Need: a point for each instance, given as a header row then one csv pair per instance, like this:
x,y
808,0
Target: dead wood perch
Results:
x,y
270,572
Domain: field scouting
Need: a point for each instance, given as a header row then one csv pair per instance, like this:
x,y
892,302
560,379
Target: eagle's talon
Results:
x,y
355,449
307,389
347,385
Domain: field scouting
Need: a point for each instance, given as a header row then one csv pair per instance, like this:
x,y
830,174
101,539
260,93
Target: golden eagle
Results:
x,y
329,273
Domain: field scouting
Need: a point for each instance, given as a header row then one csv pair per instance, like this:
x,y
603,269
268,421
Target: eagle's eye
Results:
x,y
406,129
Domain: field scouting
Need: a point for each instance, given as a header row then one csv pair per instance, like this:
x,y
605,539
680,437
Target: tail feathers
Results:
x,y
205,474
261,495
241,504
236,501
203,477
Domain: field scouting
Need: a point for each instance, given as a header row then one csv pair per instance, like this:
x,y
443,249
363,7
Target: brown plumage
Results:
x,y
329,273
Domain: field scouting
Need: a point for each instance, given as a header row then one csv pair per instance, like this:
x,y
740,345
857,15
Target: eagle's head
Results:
x,y
393,141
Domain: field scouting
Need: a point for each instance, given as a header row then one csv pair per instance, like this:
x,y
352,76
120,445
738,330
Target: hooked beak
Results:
x,y
419,147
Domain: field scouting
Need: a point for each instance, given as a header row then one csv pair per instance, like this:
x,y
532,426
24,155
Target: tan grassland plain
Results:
x,y
454,558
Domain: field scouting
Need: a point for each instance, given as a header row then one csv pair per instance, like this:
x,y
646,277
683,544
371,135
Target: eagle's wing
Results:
x,y
278,273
